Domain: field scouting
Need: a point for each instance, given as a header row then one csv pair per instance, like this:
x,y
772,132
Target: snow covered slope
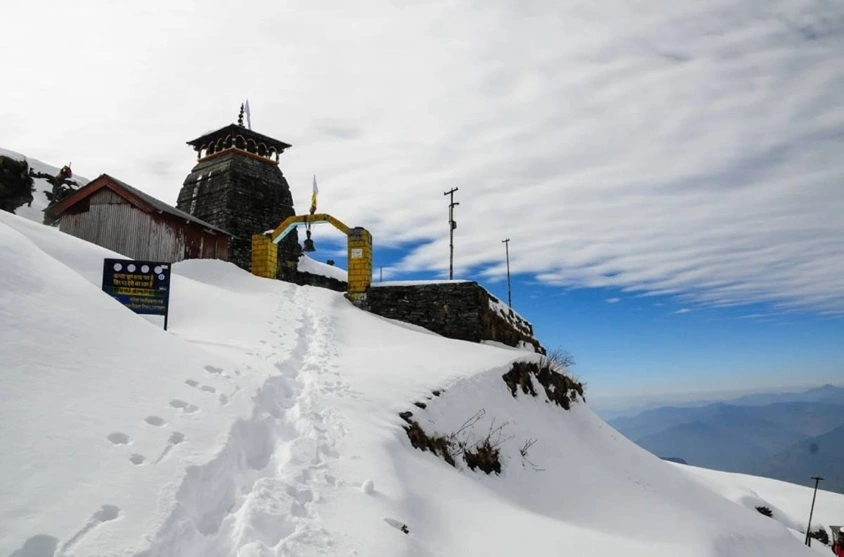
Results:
x,y
266,422
35,211
789,503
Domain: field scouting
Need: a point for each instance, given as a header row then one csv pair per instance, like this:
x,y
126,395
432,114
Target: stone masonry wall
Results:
x,y
242,195
310,279
459,310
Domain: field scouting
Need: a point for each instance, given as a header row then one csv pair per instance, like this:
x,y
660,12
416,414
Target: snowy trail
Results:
x,y
257,497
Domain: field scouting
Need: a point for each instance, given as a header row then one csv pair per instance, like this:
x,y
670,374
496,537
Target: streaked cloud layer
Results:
x,y
693,149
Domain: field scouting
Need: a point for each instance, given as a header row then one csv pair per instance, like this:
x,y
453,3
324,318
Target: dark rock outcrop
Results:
x,y
16,184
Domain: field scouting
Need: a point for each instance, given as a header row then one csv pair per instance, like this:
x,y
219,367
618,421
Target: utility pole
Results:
x,y
507,251
452,224
811,511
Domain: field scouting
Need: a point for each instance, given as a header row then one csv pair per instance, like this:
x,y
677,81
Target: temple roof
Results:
x,y
235,130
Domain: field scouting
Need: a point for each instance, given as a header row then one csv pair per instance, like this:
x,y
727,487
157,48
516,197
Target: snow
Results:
x,y
308,265
416,282
265,422
35,211
506,311
790,503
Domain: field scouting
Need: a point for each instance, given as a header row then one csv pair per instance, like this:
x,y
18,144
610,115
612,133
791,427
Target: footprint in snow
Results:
x,y
118,438
176,438
214,370
40,544
137,459
196,385
184,406
106,513
155,421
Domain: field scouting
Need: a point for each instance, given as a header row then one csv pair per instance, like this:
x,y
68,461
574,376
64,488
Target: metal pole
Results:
x,y
812,510
451,226
380,274
507,251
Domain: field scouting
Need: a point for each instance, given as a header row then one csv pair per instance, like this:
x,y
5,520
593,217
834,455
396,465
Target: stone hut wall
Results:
x,y
459,310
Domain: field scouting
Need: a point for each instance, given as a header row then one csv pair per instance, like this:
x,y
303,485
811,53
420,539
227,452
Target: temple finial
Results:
x,y
240,116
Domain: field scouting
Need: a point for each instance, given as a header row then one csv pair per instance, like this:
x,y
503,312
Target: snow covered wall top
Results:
x,y
309,265
266,423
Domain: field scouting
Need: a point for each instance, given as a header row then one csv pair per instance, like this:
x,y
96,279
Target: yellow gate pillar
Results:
x,y
264,256
360,262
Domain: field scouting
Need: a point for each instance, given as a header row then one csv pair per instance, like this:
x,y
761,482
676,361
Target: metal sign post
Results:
x,y
142,286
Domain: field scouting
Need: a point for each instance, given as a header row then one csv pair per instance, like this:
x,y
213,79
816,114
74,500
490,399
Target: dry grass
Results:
x,y
559,387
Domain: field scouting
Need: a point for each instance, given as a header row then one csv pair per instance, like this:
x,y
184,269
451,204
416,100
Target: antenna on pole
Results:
x,y
811,511
452,224
507,250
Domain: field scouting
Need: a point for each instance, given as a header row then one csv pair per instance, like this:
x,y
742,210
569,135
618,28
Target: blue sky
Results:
x,y
687,150
629,346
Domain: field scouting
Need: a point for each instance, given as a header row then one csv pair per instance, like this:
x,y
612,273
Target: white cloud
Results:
x,y
683,310
689,149
613,300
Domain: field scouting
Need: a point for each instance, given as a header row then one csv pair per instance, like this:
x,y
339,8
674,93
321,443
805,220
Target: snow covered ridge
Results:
x,y
265,422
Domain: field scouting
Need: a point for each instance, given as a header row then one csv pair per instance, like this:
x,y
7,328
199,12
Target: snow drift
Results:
x,y
266,422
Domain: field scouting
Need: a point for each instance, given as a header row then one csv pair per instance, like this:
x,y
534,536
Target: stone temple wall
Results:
x,y
243,195
459,310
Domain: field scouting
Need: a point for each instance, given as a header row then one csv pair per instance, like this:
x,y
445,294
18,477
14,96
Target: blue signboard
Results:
x,y
142,286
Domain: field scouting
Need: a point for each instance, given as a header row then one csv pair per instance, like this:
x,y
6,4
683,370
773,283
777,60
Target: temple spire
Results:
x,y
240,116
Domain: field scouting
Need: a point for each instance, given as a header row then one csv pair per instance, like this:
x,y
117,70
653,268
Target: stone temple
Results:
x,y
237,185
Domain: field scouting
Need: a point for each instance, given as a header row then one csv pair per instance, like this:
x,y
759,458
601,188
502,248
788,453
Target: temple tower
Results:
x,y
237,185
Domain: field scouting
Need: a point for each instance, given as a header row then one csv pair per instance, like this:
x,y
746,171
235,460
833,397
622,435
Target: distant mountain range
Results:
x,y
818,456
787,436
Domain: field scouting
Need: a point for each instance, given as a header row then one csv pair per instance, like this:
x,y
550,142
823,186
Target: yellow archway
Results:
x,y
359,251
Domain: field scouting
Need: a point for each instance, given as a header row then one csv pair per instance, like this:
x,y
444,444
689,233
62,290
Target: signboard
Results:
x,y
357,253
142,286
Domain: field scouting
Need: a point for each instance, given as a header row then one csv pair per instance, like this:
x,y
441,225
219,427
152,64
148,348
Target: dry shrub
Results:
x,y
559,387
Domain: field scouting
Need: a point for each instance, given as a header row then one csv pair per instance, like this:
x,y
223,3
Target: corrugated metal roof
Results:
x,y
164,207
